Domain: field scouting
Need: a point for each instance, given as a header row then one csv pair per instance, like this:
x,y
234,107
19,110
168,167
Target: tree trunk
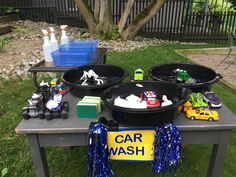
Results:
x,y
125,15
86,12
105,17
142,18
97,9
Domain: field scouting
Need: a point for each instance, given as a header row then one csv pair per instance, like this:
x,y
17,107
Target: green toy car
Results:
x,y
197,100
183,76
139,75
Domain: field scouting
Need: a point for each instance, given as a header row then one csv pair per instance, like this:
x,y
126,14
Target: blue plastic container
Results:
x,y
76,53
80,46
72,59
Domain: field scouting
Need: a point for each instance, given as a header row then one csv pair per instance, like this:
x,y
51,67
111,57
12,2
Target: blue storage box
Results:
x,y
80,46
76,53
72,59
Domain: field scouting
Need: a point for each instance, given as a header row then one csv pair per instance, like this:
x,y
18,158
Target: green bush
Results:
x,y
114,35
216,6
5,10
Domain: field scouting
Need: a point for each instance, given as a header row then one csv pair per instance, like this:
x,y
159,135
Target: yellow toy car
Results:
x,y
202,114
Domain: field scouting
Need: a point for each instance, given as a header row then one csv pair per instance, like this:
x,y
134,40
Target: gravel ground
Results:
x,y
25,48
227,68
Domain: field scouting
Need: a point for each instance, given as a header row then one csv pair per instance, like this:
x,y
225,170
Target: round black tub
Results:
x,y
145,117
110,75
204,75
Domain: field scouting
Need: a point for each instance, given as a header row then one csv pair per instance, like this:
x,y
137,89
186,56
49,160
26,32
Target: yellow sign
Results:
x,y
131,144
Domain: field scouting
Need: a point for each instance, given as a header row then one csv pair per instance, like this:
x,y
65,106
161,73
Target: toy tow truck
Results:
x,y
138,75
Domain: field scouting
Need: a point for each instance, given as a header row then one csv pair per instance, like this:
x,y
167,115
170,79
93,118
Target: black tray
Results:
x,y
205,75
145,117
110,73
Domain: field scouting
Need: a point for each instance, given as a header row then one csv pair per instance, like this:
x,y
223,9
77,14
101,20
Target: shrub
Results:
x,y
5,10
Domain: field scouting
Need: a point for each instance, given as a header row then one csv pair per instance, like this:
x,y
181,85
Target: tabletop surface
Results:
x,y
43,66
75,125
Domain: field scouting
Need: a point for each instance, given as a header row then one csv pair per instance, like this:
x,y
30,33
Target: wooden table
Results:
x,y
43,66
74,132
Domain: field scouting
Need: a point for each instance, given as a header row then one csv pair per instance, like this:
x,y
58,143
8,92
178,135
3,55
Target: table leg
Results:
x,y
35,79
38,157
105,59
218,155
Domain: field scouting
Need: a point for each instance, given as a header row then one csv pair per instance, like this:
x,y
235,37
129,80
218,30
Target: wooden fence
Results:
x,y
173,22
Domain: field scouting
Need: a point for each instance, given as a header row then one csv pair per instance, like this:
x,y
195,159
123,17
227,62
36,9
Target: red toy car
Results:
x,y
151,99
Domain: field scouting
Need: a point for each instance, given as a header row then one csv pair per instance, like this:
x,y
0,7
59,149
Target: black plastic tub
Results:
x,y
145,117
110,74
206,76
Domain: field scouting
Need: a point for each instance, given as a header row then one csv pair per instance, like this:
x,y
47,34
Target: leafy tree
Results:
x,y
213,5
233,2
99,20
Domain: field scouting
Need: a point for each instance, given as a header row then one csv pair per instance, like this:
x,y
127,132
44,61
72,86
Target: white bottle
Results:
x,y
46,47
53,40
64,38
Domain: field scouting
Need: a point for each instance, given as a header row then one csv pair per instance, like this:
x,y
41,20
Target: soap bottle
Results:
x,y
53,40
64,38
46,47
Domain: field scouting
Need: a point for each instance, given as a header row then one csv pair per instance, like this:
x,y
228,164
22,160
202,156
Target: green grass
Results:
x,y
3,42
15,154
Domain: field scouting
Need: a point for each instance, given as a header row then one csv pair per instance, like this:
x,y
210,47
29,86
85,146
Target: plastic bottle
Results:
x,y
46,47
53,40
64,38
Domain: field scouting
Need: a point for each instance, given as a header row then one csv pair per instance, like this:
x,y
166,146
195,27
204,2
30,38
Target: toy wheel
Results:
x,y
64,114
132,78
41,114
48,115
66,106
192,118
145,78
25,114
210,119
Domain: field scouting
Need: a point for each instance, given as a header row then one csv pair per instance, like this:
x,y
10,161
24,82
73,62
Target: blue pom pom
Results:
x,y
166,149
98,154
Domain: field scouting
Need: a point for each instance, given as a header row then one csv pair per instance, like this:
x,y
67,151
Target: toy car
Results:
x,y
202,114
212,99
139,75
151,99
60,111
35,107
54,82
183,76
187,106
197,100
59,89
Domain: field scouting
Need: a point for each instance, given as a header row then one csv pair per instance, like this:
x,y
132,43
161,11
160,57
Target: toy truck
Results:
x,y
138,75
151,99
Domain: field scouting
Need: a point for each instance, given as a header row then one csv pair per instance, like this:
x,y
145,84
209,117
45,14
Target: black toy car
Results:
x,y
62,112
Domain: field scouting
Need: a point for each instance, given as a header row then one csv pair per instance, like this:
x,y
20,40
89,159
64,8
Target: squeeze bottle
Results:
x,y
64,38
46,47
53,40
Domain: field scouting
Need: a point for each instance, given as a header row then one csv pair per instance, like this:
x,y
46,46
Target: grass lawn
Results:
x,y
15,154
